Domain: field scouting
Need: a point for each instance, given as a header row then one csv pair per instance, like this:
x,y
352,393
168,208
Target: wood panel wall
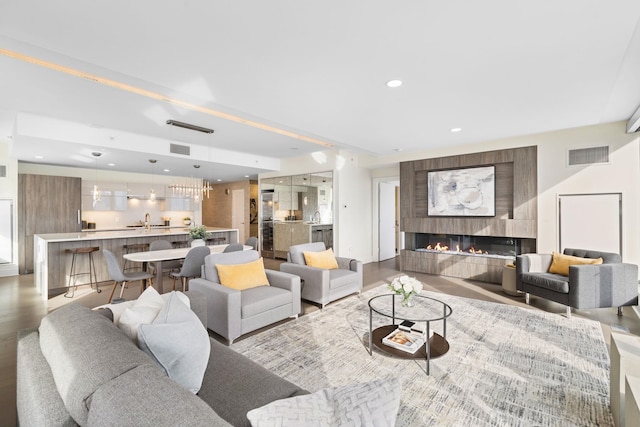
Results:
x,y
516,195
516,211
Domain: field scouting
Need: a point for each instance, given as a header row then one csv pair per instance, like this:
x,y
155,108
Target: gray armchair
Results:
x,y
610,284
232,313
323,286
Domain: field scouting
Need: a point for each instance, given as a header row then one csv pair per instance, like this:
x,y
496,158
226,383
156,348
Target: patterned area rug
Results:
x,y
507,366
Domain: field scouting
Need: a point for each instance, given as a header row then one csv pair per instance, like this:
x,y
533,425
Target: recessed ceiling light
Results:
x,y
219,180
112,164
39,157
246,176
454,130
394,83
397,150
167,170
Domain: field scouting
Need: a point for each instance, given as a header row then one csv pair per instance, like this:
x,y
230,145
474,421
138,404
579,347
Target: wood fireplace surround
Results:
x,y
515,214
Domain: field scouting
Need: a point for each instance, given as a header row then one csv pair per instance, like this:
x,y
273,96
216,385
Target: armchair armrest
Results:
x,y
287,281
604,285
223,307
349,264
316,280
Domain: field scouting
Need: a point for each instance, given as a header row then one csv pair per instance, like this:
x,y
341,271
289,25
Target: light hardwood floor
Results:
x,y
22,307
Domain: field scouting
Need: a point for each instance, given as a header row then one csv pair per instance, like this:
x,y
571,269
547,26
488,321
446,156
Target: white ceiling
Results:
x,y
496,69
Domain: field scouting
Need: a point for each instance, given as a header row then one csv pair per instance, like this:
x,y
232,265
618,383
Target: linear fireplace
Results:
x,y
465,256
489,246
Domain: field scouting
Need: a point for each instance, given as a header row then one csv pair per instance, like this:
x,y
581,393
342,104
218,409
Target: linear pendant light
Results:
x,y
189,126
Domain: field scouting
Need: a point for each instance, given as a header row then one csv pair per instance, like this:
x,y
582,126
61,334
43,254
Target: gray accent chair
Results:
x,y
253,242
192,266
610,284
232,313
320,285
121,278
233,247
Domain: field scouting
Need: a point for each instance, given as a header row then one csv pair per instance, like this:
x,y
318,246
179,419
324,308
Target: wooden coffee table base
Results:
x,y
439,345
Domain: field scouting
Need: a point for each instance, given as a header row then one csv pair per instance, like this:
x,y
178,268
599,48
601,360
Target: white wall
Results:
x,y
621,175
9,190
354,188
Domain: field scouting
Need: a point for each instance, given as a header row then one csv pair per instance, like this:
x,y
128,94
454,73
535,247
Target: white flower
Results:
x,y
405,285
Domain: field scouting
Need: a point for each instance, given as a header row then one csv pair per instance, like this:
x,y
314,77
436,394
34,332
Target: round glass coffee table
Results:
x,y
425,310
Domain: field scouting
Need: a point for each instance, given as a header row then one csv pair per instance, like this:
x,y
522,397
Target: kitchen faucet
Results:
x,y
314,216
147,221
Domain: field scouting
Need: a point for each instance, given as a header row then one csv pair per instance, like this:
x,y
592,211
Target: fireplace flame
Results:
x,y
443,248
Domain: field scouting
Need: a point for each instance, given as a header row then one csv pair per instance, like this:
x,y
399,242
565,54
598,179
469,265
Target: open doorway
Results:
x,y
387,237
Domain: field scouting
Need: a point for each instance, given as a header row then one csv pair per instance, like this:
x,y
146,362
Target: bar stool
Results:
x,y
73,274
134,247
216,240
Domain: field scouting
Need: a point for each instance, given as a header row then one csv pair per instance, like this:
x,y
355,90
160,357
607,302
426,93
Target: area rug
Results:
x,y
507,366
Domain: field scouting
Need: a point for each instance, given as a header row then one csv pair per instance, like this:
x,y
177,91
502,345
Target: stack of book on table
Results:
x,y
405,340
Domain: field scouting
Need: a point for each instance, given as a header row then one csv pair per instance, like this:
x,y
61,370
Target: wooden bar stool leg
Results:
x,y
71,275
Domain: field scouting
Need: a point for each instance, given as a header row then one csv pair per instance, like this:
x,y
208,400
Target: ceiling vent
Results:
x,y
589,156
3,171
180,149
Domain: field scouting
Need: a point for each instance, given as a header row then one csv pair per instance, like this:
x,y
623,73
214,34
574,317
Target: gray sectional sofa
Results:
x,y
78,368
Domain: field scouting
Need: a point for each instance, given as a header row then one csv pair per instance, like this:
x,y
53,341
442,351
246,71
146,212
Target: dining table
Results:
x,y
159,256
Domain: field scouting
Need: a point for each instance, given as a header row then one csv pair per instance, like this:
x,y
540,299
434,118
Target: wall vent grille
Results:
x,y
588,156
180,149
3,171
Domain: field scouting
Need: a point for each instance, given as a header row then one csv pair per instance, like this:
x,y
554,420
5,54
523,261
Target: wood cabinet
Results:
x,y
46,204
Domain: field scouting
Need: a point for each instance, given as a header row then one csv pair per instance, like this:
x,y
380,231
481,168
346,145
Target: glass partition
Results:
x,y
295,209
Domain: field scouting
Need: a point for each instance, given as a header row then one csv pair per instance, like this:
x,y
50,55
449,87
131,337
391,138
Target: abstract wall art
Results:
x,y
462,192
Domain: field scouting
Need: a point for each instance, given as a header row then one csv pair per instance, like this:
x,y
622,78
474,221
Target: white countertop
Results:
x,y
122,234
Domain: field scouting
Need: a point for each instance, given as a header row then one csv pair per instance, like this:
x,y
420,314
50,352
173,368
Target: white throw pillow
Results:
x,y
374,403
144,310
178,341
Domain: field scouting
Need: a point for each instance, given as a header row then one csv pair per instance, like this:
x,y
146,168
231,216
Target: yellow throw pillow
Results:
x,y
323,259
243,276
560,263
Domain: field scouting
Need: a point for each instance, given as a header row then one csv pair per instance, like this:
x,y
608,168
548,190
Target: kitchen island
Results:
x,y
52,262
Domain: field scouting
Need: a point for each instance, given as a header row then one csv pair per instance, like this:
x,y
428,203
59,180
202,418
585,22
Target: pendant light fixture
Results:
x,y
96,190
152,193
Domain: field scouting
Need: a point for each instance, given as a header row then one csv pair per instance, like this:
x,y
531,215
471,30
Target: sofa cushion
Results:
x,y
85,350
242,276
247,385
553,282
261,299
560,263
143,310
322,259
144,396
237,257
341,277
374,403
178,342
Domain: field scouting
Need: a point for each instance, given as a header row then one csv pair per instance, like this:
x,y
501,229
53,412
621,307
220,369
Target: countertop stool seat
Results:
x,y
73,273
135,247
216,240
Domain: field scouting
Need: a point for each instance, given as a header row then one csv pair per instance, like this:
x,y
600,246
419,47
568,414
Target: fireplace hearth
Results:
x,y
456,244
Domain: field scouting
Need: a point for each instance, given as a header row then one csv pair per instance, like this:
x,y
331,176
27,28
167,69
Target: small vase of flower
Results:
x,y
406,287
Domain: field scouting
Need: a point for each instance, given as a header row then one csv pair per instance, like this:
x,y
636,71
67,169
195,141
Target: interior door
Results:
x,y
237,213
387,221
